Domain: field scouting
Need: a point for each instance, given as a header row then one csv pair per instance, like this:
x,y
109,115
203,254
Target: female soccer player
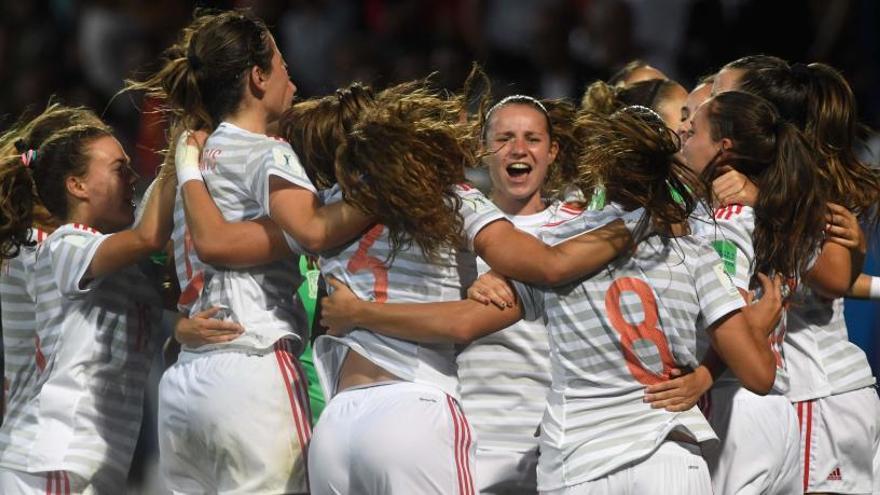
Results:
x,y
830,379
779,235
597,435
403,162
510,370
235,417
95,311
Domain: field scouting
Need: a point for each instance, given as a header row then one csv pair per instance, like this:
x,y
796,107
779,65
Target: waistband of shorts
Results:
x,y
401,385
187,354
363,386
690,446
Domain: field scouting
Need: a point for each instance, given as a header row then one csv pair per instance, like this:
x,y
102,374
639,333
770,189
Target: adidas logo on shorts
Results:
x,y
835,475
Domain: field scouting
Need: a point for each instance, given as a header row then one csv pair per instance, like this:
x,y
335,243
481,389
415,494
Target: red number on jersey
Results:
x,y
362,261
195,282
646,330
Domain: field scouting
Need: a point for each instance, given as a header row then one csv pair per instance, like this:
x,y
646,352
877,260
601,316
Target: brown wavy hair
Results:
x,y
36,195
402,161
776,156
317,127
819,101
564,170
633,154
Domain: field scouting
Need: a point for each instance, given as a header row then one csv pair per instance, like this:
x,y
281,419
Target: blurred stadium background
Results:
x,y
82,50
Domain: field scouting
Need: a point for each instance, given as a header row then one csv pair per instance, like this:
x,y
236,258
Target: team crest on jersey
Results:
x,y
479,203
724,279
284,158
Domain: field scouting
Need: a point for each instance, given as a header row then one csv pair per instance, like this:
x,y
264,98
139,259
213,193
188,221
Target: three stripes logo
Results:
x,y
725,212
835,475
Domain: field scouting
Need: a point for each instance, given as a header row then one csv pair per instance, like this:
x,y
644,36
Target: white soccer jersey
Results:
x,y
610,336
236,165
22,358
509,370
191,272
366,265
97,338
820,358
731,229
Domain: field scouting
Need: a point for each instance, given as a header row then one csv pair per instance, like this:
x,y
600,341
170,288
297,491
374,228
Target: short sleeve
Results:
x,y
279,160
476,211
736,263
717,293
71,255
733,242
532,300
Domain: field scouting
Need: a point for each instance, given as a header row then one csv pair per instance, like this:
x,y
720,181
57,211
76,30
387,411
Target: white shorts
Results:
x,y
759,448
675,467
506,471
392,438
44,483
840,435
235,422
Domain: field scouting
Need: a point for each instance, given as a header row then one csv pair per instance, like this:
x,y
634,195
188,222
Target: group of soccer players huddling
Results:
x,y
649,299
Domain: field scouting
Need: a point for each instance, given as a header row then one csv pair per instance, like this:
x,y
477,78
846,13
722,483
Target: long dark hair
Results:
x,y
774,154
818,100
203,75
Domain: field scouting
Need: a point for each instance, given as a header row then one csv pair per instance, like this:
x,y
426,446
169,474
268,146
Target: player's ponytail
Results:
x,y
773,153
203,75
36,154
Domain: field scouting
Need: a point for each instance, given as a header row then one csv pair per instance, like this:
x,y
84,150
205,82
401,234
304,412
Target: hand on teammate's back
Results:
x,y
337,308
681,392
203,329
766,313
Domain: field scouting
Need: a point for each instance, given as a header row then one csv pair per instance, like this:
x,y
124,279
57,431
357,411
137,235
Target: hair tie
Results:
x,y
778,126
21,146
192,59
28,157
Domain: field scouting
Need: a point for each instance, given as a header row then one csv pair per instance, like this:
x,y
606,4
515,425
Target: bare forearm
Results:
x,y
520,256
748,356
832,274
149,235
861,289
338,223
455,321
232,244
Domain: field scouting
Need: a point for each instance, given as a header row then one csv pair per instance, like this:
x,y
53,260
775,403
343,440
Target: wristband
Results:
x,y
186,160
874,289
